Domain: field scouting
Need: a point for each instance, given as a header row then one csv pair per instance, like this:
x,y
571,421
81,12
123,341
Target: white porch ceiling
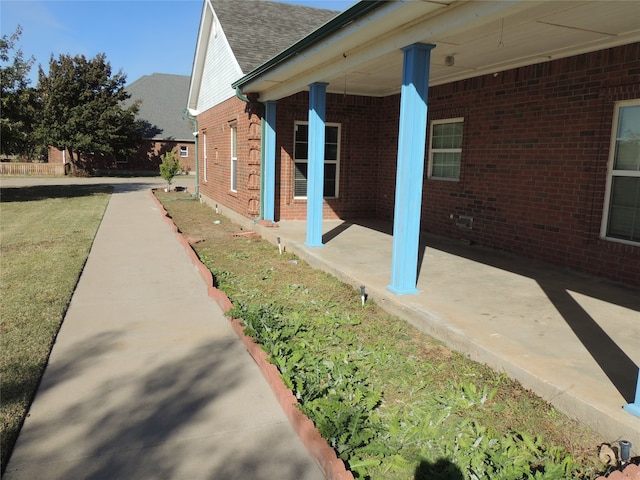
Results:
x,y
365,57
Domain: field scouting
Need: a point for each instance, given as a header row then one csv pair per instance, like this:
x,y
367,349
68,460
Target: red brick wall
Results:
x,y
145,160
358,167
534,165
54,155
215,129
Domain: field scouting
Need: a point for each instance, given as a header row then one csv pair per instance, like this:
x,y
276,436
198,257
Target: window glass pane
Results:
x,y
330,151
329,180
331,134
447,135
234,141
300,180
302,142
438,135
627,154
302,132
234,174
302,151
331,143
446,164
624,208
624,191
457,134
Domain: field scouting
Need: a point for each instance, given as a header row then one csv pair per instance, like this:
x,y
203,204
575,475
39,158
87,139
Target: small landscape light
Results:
x,y
625,451
363,295
279,246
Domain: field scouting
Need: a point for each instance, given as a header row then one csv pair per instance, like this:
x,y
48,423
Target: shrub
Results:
x,y
169,167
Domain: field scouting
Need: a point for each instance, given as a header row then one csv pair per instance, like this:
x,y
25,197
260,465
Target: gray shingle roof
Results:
x,y
163,100
257,30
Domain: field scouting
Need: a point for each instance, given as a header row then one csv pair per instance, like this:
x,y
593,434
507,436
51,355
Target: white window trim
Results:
x,y
185,149
443,150
204,157
336,162
615,173
234,159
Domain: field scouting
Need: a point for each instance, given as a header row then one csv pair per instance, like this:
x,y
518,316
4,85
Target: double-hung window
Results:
x,y
204,157
621,219
445,148
331,159
184,151
234,158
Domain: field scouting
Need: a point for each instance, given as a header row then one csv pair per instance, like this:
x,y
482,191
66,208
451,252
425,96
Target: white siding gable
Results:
x,y
220,69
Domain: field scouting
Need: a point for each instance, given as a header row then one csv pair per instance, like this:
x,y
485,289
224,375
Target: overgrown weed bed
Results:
x,y
46,235
392,401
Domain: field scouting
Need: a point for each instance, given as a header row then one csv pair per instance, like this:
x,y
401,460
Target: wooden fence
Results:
x,y
25,169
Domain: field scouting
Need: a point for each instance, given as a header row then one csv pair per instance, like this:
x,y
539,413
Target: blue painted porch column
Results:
x,y
269,182
410,168
634,408
315,166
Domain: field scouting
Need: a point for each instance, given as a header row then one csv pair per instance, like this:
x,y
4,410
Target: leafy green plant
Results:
x,y
169,167
393,402
332,391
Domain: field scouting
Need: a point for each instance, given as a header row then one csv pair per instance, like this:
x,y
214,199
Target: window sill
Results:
x,y
620,240
444,179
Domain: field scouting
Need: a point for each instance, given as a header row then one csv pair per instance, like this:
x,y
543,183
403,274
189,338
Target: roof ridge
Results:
x,y
260,29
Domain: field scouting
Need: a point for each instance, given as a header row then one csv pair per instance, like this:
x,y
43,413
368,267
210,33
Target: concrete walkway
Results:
x,y
147,379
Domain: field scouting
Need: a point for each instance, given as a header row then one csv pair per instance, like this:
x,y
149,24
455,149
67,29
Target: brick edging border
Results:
x,y
325,457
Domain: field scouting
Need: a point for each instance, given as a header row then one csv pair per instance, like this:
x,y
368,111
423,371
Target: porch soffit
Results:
x,y
483,37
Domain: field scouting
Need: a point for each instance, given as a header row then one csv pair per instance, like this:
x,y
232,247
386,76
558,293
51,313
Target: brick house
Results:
x,y
510,125
165,128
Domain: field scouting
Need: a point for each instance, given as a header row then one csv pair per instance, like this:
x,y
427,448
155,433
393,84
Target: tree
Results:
x,y
82,109
17,99
169,167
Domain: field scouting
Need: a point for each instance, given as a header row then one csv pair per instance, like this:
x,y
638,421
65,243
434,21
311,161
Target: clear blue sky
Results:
x,y
139,37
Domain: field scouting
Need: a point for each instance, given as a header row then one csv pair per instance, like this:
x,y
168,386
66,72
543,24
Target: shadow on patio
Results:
x,y
571,338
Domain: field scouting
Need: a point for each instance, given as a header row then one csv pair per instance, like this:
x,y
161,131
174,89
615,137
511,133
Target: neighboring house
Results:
x,y
515,125
166,128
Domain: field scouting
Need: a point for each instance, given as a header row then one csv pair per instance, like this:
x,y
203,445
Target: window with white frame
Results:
x,y
331,159
621,219
204,156
445,148
234,158
184,151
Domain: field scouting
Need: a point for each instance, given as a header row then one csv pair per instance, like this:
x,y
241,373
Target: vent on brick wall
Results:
x,y
253,207
465,222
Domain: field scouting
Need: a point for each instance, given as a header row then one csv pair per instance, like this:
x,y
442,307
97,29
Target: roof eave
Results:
x,y
332,26
206,23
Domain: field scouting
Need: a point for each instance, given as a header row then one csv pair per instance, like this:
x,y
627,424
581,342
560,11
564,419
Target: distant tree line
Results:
x,y
77,107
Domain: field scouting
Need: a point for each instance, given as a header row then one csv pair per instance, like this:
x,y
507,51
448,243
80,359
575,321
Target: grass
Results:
x,y
46,235
440,415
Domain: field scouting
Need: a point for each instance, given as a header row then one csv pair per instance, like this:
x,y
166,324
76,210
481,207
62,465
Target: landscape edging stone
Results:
x,y
332,467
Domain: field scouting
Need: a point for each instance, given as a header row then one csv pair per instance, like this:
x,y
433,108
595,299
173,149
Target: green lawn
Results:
x,y
46,233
